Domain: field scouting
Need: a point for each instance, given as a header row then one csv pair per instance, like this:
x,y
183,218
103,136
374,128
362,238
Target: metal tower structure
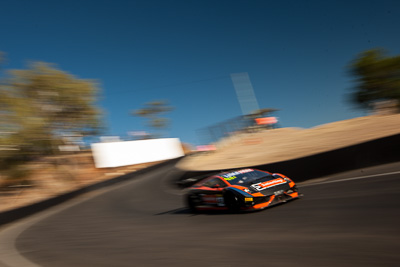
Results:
x,y
245,93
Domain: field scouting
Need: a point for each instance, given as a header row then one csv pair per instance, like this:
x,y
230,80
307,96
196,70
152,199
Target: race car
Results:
x,y
241,190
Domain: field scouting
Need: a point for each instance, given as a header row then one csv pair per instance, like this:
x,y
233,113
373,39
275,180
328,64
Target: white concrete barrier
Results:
x,y
116,154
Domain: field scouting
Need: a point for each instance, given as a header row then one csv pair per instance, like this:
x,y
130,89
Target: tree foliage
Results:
x,y
378,78
41,105
152,111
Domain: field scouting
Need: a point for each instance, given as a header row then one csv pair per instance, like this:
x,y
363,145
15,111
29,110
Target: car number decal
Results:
x,y
267,184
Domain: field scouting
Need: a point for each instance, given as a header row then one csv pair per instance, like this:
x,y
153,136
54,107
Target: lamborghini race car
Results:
x,y
244,189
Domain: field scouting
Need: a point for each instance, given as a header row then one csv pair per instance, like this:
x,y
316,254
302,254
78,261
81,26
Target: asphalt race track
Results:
x,y
338,222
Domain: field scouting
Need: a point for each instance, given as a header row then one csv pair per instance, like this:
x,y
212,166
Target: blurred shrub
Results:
x,y
41,108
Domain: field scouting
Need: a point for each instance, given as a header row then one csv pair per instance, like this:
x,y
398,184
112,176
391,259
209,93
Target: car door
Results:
x,y
211,194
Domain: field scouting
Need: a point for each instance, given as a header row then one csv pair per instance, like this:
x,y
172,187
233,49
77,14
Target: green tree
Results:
x,y
152,111
378,79
40,106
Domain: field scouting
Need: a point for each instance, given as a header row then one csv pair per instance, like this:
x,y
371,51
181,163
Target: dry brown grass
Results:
x,y
277,145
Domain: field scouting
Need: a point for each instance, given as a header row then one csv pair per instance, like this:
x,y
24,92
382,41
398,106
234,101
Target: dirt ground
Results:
x,y
269,146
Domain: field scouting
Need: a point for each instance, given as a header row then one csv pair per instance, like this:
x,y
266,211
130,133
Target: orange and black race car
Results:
x,y
243,189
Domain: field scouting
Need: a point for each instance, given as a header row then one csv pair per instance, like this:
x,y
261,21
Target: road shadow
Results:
x,y
187,211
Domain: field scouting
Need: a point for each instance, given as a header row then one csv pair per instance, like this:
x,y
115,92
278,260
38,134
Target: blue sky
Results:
x,y
295,52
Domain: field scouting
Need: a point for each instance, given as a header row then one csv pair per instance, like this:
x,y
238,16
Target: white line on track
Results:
x,y
353,178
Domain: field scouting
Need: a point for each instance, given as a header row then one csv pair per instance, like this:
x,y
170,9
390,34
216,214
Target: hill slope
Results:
x,y
282,144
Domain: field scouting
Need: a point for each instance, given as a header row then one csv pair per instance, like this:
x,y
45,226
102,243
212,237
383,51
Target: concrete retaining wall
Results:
x,y
376,152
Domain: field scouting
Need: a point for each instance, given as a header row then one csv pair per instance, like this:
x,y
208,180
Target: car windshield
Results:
x,y
244,177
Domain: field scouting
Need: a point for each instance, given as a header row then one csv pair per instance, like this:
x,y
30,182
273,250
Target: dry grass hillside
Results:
x,y
282,144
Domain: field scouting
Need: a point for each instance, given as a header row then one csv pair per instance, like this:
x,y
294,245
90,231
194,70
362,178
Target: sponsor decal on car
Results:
x,y
232,175
230,178
213,199
267,184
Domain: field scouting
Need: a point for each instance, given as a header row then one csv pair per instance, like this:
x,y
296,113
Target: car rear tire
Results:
x,y
232,202
191,202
